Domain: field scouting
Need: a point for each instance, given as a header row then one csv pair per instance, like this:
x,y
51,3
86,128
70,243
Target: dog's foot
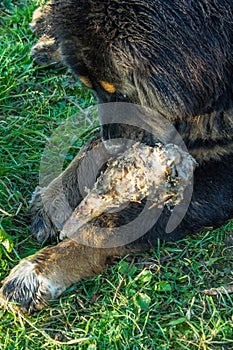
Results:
x,y
42,228
46,52
28,288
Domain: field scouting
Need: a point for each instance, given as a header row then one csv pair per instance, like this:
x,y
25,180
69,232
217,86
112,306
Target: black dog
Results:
x,y
175,57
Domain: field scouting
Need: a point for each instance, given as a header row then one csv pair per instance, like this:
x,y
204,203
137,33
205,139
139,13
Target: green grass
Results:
x,y
152,302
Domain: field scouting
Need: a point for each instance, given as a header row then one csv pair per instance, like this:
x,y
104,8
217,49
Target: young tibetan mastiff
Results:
x,y
172,57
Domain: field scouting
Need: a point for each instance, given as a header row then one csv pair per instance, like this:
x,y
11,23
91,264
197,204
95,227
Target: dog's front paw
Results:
x,y
46,52
28,288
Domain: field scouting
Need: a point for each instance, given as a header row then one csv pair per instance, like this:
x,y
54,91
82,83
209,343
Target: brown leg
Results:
x,y
41,18
44,276
46,51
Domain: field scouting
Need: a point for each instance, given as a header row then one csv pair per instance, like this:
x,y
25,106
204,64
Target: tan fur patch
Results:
x,y
108,87
86,81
